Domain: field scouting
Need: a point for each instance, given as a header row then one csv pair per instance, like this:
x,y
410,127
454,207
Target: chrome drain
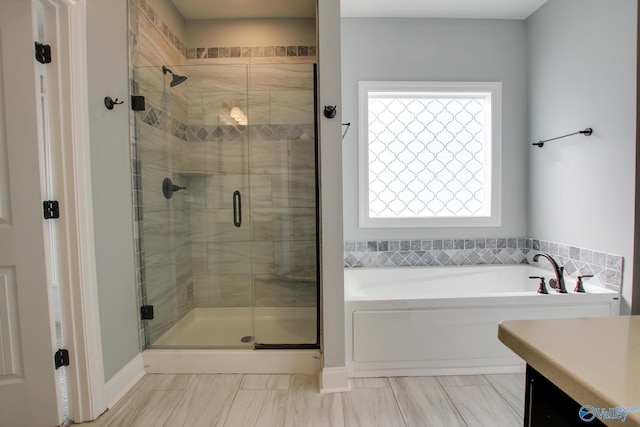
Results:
x,y
248,338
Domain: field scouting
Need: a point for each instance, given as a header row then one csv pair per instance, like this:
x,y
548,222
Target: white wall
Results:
x,y
582,61
439,50
111,180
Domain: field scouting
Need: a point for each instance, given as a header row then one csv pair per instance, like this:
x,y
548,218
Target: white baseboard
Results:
x,y
124,380
167,361
334,380
437,371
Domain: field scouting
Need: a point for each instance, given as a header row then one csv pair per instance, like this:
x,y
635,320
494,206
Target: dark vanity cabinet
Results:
x,y
547,406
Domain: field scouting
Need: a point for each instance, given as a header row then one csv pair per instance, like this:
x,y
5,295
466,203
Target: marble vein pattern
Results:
x,y
236,400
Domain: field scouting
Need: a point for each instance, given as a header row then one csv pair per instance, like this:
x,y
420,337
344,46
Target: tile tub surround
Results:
x,y
607,268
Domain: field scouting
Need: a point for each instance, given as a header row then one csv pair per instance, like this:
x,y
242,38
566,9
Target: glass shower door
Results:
x,y
283,204
195,249
229,259
216,157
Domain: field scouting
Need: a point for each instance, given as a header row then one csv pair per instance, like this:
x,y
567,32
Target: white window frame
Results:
x,y
493,161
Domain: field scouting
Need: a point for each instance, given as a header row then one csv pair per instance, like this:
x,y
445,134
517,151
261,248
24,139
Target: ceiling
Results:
x,y
225,9
486,9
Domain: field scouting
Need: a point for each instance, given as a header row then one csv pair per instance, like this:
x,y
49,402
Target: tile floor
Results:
x,y
236,400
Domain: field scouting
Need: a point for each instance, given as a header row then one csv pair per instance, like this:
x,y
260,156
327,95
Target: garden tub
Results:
x,y
444,320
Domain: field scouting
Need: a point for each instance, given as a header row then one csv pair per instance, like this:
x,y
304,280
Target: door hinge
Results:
x,y
43,53
61,358
137,103
146,312
51,209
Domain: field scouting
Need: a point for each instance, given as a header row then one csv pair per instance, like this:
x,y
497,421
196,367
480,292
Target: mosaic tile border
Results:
x,y
195,133
250,52
607,268
438,252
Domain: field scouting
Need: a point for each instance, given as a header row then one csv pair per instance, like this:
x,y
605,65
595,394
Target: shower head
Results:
x,y
177,79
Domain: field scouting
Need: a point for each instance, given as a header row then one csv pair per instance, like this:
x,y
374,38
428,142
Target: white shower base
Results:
x,y
209,340
225,327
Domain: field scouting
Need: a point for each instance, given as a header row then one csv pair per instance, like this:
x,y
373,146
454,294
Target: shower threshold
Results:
x,y
210,340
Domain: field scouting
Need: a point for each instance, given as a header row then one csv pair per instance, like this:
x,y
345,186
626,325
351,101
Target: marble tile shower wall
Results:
x,y
219,52
607,268
145,9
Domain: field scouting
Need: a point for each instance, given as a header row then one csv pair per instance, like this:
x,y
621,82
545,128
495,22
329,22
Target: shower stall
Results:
x,y
226,206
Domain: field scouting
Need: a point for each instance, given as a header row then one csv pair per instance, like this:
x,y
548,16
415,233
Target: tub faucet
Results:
x,y
558,282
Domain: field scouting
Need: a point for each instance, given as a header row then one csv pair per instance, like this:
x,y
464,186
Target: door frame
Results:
x,y
76,249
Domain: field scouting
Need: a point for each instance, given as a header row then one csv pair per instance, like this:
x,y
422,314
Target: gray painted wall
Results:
x,y
331,237
582,62
111,180
439,50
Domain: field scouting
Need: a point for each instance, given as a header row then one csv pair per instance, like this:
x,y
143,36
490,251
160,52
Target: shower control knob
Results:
x,y
168,188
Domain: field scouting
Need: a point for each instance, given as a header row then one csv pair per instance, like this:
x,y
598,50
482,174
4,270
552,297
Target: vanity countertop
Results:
x,y
596,361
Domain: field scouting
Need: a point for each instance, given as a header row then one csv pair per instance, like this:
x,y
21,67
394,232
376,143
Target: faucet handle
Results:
x,y
579,287
541,289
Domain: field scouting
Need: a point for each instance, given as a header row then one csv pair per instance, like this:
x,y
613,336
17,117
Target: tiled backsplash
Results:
x,y
606,268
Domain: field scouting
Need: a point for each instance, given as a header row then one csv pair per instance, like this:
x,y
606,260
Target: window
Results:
x,y
429,154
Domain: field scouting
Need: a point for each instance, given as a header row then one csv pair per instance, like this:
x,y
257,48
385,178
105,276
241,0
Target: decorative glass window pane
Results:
x,y
428,154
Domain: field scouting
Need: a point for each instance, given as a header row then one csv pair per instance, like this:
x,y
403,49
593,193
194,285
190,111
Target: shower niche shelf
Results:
x,y
188,174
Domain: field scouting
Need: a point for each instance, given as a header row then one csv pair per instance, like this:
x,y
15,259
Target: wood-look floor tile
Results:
x,y
369,382
423,402
165,382
307,407
144,408
265,382
511,387
262,408
482,406
371,407
462,380
206,402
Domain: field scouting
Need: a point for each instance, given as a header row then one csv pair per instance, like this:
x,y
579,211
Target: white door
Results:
x,y
28,395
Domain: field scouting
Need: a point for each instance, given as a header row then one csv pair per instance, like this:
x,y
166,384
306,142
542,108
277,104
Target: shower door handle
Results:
x,y
237,208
